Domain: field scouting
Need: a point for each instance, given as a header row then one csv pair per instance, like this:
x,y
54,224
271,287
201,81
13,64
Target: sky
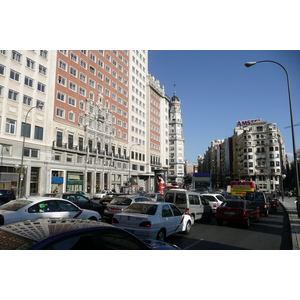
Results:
x,y
216,90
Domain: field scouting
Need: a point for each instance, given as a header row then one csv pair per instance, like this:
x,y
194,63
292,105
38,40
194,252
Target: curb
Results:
x,y
292,220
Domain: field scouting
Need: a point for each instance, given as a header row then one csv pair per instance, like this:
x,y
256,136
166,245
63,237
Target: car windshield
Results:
x,y
209,198
121,201
15,205
138,208
233,204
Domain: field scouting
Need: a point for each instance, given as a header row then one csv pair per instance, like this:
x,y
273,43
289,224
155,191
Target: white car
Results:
x,y
154,220
101,194
215,200
43,207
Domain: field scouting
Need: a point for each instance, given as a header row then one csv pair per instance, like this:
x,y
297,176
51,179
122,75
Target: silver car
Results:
x,y
118,205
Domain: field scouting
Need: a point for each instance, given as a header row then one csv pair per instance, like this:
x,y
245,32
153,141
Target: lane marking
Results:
x,y
193,244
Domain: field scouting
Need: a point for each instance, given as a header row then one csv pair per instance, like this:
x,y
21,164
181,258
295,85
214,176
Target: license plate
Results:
x,y
228,213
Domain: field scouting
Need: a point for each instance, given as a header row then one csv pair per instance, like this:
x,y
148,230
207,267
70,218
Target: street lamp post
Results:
x,y
249,64
21,176
129,179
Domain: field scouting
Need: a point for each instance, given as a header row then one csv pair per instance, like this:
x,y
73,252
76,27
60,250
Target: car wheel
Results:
x,y
161,235
192,219
188,227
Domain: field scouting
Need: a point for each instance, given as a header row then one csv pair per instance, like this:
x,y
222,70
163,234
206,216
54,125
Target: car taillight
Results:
x,y
214,204
265,206
1,220
145,224
187,211
114,221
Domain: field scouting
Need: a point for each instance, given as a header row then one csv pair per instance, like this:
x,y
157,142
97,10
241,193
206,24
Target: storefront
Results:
x,y
75,181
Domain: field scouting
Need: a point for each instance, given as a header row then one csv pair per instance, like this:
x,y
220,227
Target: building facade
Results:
x,y
176,141
254,152
104,123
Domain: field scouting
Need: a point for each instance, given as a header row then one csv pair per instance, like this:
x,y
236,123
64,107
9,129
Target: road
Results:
x,y
271,233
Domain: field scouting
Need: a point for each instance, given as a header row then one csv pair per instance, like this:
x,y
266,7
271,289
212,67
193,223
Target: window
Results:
x,y
72,101
82,91
10,126
59,137
73,71
16,56
83,63
71,116
82,77
38,133
166,211
92,70
41,87
42,70
14,75
27,100
13,95
61,80
57,156
31,152
73,57
60,96
40,104
30,63
60,112
44,53
2,68
25,128
62,65
72,86
28,81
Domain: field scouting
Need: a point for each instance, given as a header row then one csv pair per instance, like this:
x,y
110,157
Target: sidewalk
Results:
x,y
290,206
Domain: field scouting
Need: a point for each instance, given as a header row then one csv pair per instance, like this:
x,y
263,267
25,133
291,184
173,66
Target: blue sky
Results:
x,y
216,90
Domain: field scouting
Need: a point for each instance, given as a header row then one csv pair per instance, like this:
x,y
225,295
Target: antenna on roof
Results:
x,y
174,89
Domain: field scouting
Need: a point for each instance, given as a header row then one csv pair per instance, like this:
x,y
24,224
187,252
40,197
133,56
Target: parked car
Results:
x,y
190,203
260,200
215,200
233,197
119,204
87,195
154,196
81,201
41,207
101,194
105,200
237,211
6,196
154,220
72,234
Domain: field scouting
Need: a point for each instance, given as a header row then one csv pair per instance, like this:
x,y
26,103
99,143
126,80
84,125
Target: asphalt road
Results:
x,y
271,233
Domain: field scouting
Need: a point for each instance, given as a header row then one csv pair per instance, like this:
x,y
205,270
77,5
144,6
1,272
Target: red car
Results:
x,y
237,211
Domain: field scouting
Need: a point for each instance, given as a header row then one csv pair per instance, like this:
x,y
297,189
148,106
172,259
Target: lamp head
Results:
x,y
250,64
40,105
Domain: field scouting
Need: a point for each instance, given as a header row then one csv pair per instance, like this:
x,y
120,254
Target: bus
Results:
x,y
241,187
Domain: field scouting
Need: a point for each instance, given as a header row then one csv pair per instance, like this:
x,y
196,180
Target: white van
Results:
x,y
190,203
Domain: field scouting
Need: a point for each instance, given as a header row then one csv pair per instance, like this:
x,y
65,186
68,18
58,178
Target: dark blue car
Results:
x,y
72,234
